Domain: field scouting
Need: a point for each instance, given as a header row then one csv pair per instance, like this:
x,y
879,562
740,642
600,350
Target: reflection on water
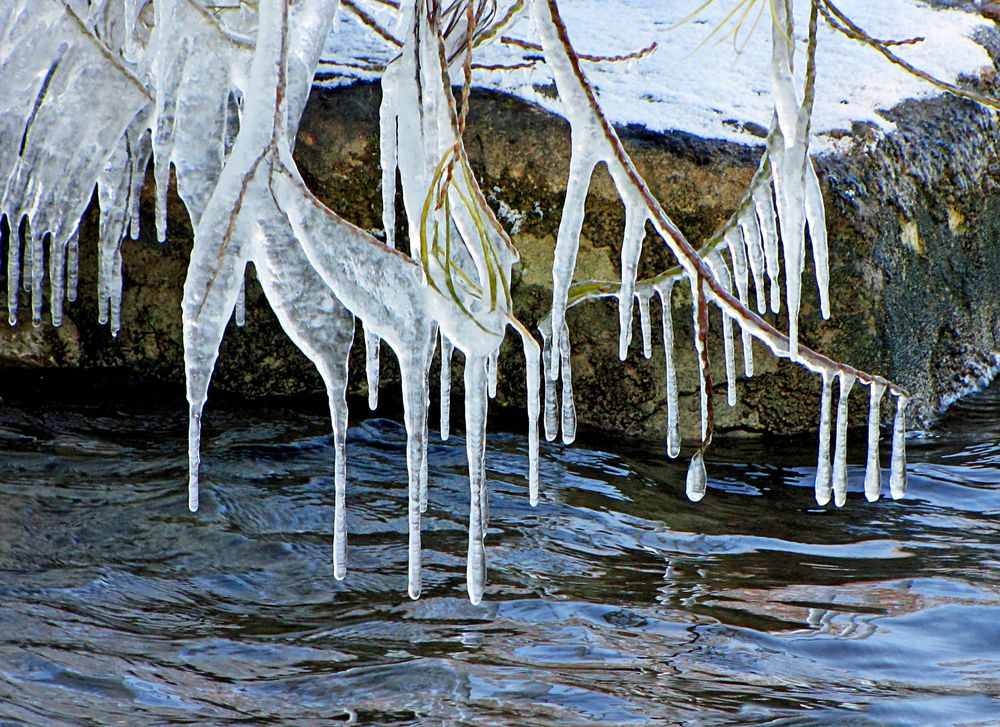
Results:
x,y
615,601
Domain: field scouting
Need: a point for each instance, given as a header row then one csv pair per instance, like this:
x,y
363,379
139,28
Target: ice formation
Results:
x,y
213,96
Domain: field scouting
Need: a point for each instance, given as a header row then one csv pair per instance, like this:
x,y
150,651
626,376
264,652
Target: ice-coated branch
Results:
x,y
595,140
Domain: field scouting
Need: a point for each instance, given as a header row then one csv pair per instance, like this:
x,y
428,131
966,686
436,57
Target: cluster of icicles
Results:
x,y
217,96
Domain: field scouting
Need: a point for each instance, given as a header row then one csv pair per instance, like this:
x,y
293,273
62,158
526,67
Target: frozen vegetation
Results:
x,y
91,91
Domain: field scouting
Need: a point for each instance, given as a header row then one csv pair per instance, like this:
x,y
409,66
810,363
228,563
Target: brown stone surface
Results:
x,y
914,220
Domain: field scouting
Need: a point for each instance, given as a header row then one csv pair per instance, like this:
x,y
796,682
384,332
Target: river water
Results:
x,y
615,601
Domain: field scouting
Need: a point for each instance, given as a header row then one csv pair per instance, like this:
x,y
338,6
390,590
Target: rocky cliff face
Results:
x,y
914,226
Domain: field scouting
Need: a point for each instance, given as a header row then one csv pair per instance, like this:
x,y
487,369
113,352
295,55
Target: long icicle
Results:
x,y
738,255
447,349
718,266
665,292
873,475
840,444
824,483
645,324
475,444
897,478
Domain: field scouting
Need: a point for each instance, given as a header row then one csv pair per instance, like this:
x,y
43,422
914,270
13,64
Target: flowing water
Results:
x,y
615,601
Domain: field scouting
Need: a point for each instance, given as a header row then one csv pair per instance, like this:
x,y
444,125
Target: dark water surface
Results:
x,y
615,601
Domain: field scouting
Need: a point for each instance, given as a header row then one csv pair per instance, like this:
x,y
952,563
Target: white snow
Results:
x,y
708,88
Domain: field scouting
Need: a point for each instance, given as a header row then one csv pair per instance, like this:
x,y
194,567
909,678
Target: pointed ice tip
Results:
x,y
475,597
339,573
12,320
823,499
413,592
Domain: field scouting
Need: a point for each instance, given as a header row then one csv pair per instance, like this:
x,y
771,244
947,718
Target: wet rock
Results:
x,y
914,218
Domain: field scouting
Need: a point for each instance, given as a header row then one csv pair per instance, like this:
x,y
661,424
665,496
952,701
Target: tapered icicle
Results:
x,y
29,250
697,479
475,444
840,444
566,373
194,454
897,477
635,231
581,168
445,381
699,347
551,401
532,365
750,230
873,481
240,314
36,241
764,207
823,480
718,266
492,363
57,280
738,255
645,324
415,393
816,218
673,429
72,265
372,367
161,174
13,270
338,412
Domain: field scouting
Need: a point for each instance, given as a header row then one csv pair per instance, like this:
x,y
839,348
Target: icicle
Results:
x,y
414,414
873,482
57,280
72,266
116,292
581,168
36,241
635,231
161,173
699,346
718,267
372,367
551,404
13,270
532,356
445,379
764,206
823,481
645,323
816,217
665,290
840,444
750,230
897,478
566,373
29,250
697,479
491,372
194,454
787,166
475,444
738,255
240,314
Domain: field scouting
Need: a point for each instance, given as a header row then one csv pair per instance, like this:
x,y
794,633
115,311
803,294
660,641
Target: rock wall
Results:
x,y
914,222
